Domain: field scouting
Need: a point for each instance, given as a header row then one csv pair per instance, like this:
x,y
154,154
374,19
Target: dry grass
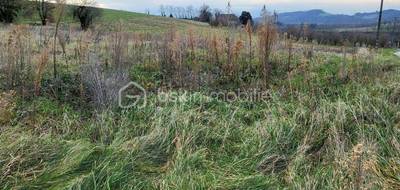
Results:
x,y
43,60
7,107
314,131
267,36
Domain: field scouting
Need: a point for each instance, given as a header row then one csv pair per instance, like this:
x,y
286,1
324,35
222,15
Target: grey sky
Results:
x,y
333,6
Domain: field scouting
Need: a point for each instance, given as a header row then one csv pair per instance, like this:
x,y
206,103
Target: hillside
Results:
x,y
321,17
132,21
144,22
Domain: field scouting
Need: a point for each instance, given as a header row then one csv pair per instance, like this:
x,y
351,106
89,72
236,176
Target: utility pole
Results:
x,y
379,25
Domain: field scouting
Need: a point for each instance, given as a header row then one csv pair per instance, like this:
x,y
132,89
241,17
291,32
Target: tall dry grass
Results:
x,y
267,37
17,61
249,31
42,62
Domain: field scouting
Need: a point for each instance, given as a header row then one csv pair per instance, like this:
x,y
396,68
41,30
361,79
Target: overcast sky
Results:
x,y
332,6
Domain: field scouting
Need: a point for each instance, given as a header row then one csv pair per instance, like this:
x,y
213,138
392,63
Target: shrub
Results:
x,y
9,10
246,18
86,15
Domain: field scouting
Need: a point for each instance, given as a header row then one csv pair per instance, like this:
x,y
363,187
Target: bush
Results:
x,y
245,18
9,10
86,15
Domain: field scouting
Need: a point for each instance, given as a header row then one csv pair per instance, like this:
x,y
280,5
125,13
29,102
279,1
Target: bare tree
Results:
x,y
170,10
216,18
190,10
59,14
162,11
44,8
182,12
176,12
394,25
205,14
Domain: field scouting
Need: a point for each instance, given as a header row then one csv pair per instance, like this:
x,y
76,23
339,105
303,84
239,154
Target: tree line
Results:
x,y
389,37
188,12
215,17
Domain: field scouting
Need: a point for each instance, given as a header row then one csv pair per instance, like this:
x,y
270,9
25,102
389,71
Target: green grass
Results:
x,y
147,23
214,144
131,21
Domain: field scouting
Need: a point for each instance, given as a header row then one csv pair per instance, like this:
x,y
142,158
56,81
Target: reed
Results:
x,y
17,52
42,62
192,44
215,49
249,31
59,14
267,37
166,55
289,48
176,49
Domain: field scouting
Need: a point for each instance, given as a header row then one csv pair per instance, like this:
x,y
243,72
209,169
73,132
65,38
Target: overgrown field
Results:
x,y
330,120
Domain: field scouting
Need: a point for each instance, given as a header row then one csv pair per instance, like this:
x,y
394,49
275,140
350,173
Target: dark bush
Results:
x,y
9,10
245,18
86,15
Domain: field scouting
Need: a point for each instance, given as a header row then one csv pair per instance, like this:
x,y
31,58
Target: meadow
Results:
x,y
330,120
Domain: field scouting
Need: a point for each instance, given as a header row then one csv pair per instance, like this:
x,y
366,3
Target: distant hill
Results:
x,y
321,17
